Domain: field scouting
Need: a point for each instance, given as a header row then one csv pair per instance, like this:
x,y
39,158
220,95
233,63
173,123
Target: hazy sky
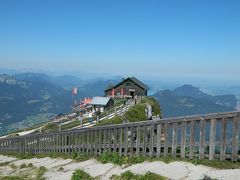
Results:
x,y
162,37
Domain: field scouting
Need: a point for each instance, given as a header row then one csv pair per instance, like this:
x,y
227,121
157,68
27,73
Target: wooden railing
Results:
x,y
212,136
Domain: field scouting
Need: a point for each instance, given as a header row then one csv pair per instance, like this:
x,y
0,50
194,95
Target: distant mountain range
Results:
x,y
31,98
189,100
232,90
65,81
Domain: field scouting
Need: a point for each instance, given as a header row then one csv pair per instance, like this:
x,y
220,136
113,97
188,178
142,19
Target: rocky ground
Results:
x,y
63,169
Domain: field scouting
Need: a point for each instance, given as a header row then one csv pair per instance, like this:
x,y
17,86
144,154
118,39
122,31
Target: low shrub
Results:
x,y
61,169
30,165
81,156
114,120
13,166
22,166
11,178
115,158
4,163
128,175
79,174
41,172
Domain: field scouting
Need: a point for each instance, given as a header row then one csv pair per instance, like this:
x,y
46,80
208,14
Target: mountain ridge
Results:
x,y
189,100
31,98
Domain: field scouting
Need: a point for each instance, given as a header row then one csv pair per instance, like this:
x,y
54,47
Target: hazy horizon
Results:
x,y
170,82
178,41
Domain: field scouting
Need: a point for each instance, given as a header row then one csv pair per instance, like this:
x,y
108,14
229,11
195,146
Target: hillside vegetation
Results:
x,y
31,99
135,113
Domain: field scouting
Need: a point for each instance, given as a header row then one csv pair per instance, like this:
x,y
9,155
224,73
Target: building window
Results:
x,y
128,84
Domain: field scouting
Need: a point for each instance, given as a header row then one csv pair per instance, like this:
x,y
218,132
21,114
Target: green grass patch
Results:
x,y
136,113
79,174
118,102
61,169
11,178
22,166
50,127
114,120
41,172
116,159
70,125
4,163
128,175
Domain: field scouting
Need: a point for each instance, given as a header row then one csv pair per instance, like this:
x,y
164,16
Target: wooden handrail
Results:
x,y
212,136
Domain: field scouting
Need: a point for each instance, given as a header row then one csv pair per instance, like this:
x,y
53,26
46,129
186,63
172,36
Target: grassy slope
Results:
x,y
135,113
128,175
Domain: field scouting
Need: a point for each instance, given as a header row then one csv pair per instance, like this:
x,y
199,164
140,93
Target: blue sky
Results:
x,y
153,38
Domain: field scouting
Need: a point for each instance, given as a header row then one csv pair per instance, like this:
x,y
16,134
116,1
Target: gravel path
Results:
x,y
63,169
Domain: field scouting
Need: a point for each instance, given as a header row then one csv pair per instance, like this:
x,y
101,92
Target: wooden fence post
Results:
x,y
174,140
115,140
166,140
138,141
202,139
131,141
192,140
159,133
121,141
212,139
126,141
100,142
109,140
145,138
151,141
235,140
223,140
183,139
105,140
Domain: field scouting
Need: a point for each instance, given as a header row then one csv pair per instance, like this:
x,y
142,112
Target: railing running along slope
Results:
x,y
212,136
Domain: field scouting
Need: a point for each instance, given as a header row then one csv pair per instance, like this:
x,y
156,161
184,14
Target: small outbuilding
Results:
x,y
102,103
129,87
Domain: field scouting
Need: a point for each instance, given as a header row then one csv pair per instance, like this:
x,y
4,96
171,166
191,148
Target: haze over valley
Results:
x,y
28,99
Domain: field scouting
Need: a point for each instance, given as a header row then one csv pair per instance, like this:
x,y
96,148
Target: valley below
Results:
x,y
31,99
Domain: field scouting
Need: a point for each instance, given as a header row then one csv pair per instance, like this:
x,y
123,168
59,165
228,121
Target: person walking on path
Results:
x,y
149,111
90,117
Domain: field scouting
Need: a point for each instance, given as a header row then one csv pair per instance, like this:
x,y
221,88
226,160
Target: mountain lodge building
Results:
x,y
129,87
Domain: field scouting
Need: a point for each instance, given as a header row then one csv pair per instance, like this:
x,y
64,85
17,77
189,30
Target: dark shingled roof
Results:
x,y
135,80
